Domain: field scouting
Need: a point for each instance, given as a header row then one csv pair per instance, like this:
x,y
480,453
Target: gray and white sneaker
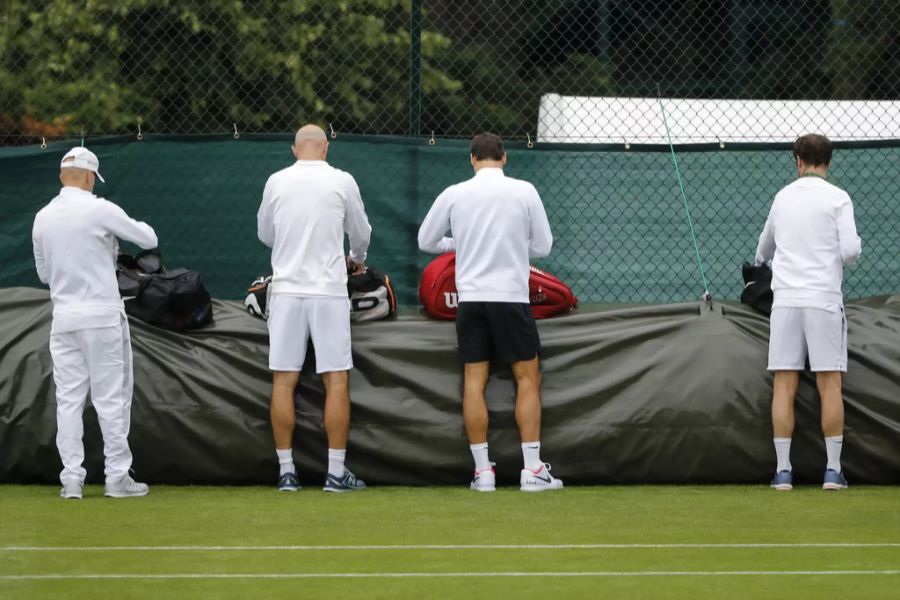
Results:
x,y
71,490
539,481
126,487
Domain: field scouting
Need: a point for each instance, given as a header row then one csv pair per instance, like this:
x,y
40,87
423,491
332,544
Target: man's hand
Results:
x,y
354,268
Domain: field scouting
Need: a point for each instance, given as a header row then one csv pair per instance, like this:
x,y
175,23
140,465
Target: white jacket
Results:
x,y
305,211
498,223
75,250
809,236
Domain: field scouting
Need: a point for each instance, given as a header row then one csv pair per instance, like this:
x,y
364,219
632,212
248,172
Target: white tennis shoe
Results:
x,y
126,487
71,490
484,480
539,481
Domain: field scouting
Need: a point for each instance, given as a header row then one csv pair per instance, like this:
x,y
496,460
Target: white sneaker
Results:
x,y
126,487
540,480
71,490
485,480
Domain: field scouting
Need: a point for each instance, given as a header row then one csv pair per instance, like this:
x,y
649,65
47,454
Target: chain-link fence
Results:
x,y
587,80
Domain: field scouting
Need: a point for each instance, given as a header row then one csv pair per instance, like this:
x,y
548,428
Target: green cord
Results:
x,y
683,196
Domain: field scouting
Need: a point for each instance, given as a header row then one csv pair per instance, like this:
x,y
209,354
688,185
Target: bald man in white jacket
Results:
x,y
75,250
306,210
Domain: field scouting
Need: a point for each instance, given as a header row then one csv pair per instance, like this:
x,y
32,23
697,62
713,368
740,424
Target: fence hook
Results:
x,y
333,134
237,136
530,144
721,143
140,135
432,141
43,143
627,145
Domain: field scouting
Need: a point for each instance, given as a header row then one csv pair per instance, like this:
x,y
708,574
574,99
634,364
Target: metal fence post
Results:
x,y
415,69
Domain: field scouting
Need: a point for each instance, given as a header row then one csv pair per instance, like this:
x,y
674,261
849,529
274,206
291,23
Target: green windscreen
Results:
x,y
619,225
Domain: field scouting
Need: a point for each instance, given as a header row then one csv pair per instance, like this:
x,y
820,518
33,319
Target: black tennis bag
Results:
x,y
757,287
175,300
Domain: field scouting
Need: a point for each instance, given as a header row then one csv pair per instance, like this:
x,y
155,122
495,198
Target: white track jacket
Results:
x,y
498,223
809,236
75,250
305,211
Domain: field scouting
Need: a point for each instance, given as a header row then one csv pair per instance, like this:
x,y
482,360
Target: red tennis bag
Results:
x,y
437,291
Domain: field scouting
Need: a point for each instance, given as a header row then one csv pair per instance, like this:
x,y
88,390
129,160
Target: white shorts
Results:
x,y
293,321
795,333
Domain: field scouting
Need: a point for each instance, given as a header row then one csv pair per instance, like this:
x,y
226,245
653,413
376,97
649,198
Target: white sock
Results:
x,y
285,461
531,454
480,454
833,449
336,462
783,454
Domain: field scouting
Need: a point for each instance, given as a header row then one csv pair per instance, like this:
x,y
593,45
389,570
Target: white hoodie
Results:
x,y
498,223
305,211
809,236
75,251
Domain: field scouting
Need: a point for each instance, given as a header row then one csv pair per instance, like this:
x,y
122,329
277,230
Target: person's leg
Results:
x,y
528,399
828,359
72,378
475,412
787,357
288,334
329,322
476,347
829,384
784,392
337,408
282,409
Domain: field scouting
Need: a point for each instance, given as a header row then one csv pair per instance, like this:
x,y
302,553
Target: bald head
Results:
x,y
75,177
310,143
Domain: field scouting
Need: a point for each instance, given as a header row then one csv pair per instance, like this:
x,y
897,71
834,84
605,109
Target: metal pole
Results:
x,y
415,69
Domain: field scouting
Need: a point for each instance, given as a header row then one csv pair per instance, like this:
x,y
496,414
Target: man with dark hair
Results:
x,y
809,236
498,223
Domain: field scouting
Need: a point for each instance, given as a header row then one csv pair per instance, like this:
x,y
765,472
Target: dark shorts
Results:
x,y
504,331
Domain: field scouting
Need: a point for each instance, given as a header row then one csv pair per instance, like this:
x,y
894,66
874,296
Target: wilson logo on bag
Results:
x,y
547,295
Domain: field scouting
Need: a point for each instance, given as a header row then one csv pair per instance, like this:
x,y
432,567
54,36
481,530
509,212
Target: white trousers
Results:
x,y
97,361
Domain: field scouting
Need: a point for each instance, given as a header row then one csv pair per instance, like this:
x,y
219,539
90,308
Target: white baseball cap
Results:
x,y
82,158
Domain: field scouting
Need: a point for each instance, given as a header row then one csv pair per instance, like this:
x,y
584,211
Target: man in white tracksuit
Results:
x,y
75,250
305,212
497,223
809,236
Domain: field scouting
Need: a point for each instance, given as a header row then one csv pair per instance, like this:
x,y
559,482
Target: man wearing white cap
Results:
x,y
75,250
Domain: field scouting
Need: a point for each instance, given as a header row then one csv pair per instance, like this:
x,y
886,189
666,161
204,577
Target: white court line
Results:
x,y
57,576
440,547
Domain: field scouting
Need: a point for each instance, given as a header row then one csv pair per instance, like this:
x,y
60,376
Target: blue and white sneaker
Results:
x,y
346,483
288,483
834,480
783,481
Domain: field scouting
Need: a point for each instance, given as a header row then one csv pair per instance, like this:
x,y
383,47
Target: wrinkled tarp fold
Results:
x,y
633,394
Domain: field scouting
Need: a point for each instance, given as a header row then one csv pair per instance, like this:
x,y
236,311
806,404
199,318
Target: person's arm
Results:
x,y
848,239
39,263
541,238
432,232
356,224
265,219
765,250
124,227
